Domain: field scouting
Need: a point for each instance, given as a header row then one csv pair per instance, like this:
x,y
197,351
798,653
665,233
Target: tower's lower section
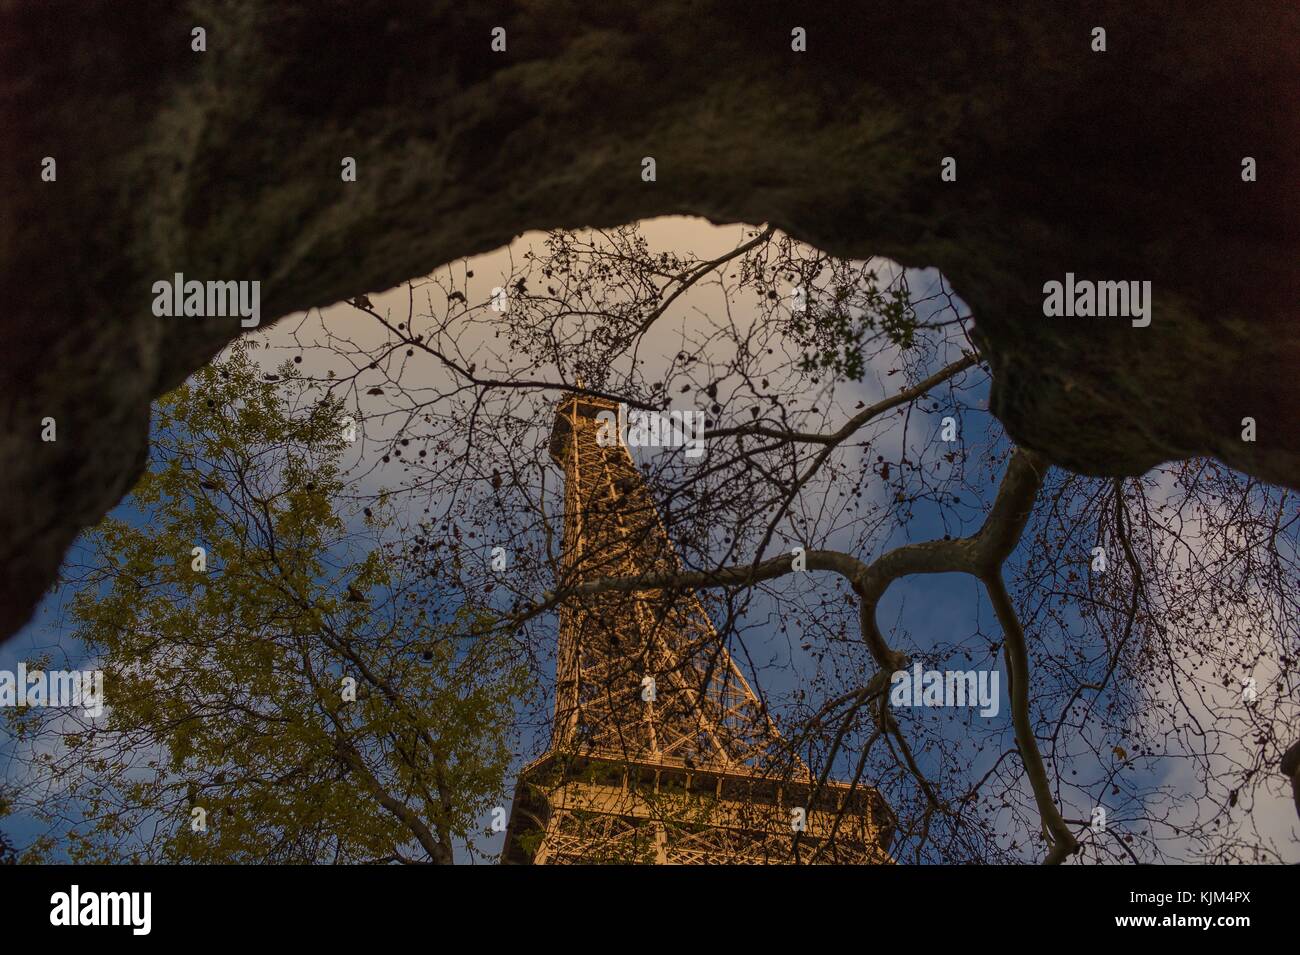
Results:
x,y
592,811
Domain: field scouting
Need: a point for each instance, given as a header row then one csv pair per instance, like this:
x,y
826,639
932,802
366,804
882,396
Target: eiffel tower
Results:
x,y
660,751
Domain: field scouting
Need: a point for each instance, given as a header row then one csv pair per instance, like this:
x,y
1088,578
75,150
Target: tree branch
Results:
x,y
1018,666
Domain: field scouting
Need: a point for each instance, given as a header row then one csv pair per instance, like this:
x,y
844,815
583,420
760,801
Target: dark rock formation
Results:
x,y
1290,768
225,164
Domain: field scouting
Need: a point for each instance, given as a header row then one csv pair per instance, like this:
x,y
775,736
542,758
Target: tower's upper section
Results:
x,y
573,406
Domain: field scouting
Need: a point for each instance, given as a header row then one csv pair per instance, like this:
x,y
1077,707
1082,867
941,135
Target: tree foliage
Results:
x,y
300,698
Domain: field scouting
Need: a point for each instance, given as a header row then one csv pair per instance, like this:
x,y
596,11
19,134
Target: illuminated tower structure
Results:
x,y
660,752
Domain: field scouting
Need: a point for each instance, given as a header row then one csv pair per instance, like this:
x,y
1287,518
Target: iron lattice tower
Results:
x,y
660,752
